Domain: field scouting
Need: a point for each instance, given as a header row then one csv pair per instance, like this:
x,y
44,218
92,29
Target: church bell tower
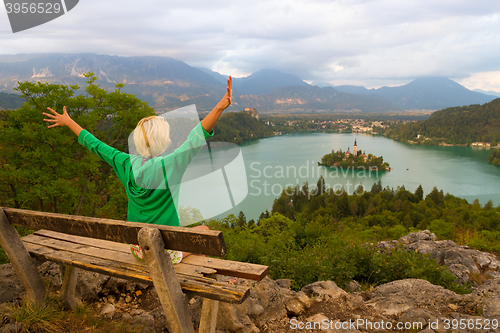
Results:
x,y
355,149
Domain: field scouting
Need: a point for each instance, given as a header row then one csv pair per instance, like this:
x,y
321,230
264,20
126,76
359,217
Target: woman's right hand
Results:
x,y
56,118
62,120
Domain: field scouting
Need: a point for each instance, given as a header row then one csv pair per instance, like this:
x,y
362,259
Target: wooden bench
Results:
x,y
101,245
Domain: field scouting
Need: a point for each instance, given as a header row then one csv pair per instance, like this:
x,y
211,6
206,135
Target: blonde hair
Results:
x,y
152,136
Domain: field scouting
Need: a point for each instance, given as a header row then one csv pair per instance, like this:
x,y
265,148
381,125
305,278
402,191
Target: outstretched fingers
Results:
x,y
55,117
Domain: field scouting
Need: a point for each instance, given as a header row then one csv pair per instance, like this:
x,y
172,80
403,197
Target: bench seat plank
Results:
x,y
119,255
201,286
231,268
223,267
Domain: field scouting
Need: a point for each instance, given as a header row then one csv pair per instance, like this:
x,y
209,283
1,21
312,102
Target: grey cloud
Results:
x,y
373,41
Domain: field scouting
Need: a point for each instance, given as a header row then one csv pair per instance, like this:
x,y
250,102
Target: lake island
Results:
x,y
356,159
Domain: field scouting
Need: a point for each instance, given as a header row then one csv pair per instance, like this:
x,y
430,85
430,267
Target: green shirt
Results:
x,y
152,201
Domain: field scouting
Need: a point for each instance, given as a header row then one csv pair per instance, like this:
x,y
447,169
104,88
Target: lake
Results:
x,y
274,163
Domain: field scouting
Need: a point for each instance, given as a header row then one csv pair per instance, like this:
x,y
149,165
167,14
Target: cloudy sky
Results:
x,y
362,42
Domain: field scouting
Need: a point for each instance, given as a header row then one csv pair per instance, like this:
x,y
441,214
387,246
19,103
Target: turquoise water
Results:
x,y
274,163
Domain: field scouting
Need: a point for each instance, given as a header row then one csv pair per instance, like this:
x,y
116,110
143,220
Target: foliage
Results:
x,y
238,127
46,169
35,317
458,125
10,101
340,159
495,157
312,235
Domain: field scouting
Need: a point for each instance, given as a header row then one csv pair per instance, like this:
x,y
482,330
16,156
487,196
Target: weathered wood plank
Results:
x,y
99,243
68,287
231,268
23,264
165,280
209,242
209,311
121,256
200,286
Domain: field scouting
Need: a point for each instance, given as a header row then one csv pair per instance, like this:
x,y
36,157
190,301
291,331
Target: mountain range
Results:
x,y
166,83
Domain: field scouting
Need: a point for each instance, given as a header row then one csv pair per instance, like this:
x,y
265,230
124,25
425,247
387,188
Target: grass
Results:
x,y
36,318
52,318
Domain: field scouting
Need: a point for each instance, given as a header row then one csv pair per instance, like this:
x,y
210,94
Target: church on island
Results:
x,y
355,152
354,160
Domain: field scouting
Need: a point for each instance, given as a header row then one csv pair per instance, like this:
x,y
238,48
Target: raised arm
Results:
x,y
211,119
62,120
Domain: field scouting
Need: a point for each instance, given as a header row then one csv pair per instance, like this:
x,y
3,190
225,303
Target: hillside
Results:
x,y
312,99
10,101
459,125
166,84
431,93
163,82
237,127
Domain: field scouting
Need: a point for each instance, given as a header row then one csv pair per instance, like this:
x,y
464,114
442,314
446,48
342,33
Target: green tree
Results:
x,y
242,220
46,169
419,193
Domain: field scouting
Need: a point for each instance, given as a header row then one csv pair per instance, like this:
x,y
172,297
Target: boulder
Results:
x,y
324,291
397,297
265,303
461,260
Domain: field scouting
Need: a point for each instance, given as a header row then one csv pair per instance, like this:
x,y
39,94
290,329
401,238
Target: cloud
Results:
x,y
370,42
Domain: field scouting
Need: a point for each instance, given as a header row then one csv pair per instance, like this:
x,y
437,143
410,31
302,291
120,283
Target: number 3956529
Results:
x,y
33,7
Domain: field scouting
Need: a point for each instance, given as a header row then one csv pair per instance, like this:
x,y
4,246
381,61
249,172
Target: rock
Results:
x,y
322,322
396,297
461,260
146,320
487,298
416,317
424,235
283,283
324,291
12,328
387,246
296,305
90,284
52,272
126,317
354,301
10,285
353,286
136,312
265,304
427,330
315,321
108,311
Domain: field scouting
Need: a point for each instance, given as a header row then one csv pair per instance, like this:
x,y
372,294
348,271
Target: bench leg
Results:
x,y
165,281
209,311
68,287
22,262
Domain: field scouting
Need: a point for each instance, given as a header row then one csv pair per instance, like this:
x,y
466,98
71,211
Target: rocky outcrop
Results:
x,y
462,261
410,305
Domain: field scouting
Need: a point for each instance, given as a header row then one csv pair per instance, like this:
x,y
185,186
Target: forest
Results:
x,y
458,125
494,157
237,127
316,234
10,101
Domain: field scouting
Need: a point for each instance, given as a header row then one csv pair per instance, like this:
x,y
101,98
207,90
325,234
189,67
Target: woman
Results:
x,y
150,200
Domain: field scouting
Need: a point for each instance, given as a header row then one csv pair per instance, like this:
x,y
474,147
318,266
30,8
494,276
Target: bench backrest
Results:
x,y
209,242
